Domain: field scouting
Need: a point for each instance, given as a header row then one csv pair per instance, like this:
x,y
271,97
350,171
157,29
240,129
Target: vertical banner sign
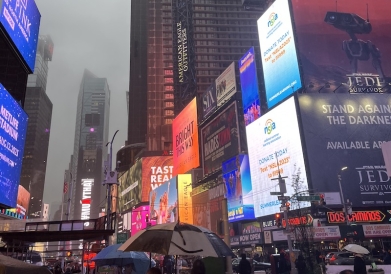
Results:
x,y
278,52
220,139
209,101
249,87
185,139
226,85
184,198
163,203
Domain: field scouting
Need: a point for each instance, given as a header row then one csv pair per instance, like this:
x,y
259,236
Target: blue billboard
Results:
x,y
237,180
13,127
249,85
21,19
278,52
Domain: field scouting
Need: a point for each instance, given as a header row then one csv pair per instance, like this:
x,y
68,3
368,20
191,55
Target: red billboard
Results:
x,y
185,139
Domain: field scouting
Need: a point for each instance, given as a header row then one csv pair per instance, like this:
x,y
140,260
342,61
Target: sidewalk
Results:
x,y
335,269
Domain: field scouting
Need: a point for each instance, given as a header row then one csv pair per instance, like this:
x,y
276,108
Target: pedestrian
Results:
x,y
359,264
283,266
387,257
167,265
198,267
154,270
300,265
244,265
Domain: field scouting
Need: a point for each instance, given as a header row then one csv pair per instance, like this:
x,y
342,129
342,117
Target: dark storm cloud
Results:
x,y
91,34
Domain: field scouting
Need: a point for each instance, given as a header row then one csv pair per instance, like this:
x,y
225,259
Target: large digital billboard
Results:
x,y
163,203
344,46
237,181
343,130
209,101
226,85
275,137
139,219
278,52
220,139
185,139
130,187
155,171
20,19
13,127
249,87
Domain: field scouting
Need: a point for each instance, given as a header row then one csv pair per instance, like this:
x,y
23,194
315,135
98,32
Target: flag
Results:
x,y
65,187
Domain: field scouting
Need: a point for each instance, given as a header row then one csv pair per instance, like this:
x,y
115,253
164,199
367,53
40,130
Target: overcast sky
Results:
x,y
87,34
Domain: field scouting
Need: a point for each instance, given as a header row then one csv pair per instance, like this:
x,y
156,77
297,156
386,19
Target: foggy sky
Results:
x,y
91,34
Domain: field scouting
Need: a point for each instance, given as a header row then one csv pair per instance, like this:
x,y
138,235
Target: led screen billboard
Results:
x,y
340,49
278,52
13,127
139,219
343,130
130,187
163,203
209,101
220,139
185,201
226,85
237,181
274,137
249,87
20,19
185,139
155,171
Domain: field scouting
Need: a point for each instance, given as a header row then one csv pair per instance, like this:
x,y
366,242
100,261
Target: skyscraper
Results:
x,y
90,151
39,108
222,31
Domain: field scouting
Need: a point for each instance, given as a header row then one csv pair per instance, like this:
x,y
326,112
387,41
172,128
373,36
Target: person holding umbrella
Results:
x,y
359,263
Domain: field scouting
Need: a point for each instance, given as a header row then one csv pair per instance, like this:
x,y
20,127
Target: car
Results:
x,y
347,258
256,265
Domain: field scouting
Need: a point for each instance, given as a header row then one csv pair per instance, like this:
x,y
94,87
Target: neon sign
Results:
x,y
356,216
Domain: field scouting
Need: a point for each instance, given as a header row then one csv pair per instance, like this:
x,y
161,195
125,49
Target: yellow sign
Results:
x,y
185,203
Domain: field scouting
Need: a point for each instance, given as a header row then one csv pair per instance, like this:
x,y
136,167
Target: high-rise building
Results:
x,y
39,109
90,151
222,31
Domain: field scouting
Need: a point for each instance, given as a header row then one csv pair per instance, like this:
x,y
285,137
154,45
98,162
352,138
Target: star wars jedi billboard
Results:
x,y
344,46
344,130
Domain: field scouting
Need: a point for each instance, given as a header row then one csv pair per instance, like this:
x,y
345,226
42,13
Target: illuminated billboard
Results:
x,y
278,52
20,19
130,187
185,201
340,49
348,131
87,185
209,101
237,181
274,137
185,139
249,87
13,127
220,139
226,85
155,171
163,203
23,201
139,218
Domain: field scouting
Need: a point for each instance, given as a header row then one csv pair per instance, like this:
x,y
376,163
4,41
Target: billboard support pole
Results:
x,y
224,209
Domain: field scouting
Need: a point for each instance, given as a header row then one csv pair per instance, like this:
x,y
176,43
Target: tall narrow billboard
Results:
x,y
274,146
344,46
278,52
226,85
249,87
13,127
185,201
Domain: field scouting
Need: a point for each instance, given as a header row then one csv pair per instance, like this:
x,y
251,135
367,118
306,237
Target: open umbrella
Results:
x,y
178,239
356,249
112,256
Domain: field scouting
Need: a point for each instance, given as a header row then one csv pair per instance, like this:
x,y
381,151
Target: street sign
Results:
x,y
276,193
308,198
282,198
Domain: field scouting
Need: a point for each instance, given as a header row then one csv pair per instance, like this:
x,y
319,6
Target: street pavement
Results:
x,y
335,269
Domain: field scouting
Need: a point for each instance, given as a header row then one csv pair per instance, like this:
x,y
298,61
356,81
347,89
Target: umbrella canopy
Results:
x,y
9,265
356,249
178,239
112,256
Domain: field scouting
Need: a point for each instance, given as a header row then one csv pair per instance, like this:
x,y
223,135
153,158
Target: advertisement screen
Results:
x,y
155,171
21,20
209,101
130,188
249,85
237,181
340,48
275,138
23,200
201,210
278,52
348,131
184,198
226,85
163,203
13,127
185,139
139,217
220,139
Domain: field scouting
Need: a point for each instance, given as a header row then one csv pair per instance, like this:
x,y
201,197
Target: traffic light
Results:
x,y
277,218
322,200
288,206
